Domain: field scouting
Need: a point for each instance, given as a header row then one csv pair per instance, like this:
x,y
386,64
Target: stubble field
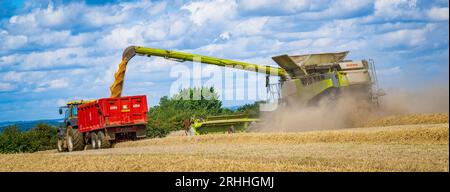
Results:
x,y
383,145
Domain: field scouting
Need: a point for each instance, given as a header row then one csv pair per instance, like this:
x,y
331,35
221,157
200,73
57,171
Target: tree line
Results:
x,y
41,137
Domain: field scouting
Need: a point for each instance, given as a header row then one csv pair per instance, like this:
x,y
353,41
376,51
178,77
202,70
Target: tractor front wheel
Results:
x,y
59,144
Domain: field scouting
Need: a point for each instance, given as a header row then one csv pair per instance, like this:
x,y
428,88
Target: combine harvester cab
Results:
x,y
102,122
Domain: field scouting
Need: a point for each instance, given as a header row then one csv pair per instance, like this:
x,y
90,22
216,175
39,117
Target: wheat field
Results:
x,y
419,147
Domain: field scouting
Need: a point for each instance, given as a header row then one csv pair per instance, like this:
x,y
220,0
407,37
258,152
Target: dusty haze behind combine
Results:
x,y
350,112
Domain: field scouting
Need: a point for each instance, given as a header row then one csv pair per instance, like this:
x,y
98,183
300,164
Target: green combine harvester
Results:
x,y
303,80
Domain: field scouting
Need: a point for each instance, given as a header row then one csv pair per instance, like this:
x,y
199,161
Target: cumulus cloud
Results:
x,y
438,13
11,42
214,11
397,9
53,84
340,9
280,7
45,60
404,37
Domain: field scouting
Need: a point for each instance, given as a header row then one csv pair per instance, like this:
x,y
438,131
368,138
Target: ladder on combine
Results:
x,y
374,92
273,91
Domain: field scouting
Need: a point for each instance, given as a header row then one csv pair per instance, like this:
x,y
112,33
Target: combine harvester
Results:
x,y
303,79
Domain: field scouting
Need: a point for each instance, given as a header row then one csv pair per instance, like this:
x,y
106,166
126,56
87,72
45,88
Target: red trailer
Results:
x,y
113,118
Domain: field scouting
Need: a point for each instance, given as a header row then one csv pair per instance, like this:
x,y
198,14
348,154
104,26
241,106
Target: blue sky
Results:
x,y
54,51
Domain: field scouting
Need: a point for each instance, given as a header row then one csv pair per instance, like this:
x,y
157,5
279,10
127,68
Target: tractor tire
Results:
x,y
103,142
60,144
94,140
69,143
75,141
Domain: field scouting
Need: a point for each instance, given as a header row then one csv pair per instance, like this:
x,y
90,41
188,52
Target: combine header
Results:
x,y
219,124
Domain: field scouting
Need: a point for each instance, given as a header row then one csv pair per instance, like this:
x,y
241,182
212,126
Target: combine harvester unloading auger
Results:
x,y
303,79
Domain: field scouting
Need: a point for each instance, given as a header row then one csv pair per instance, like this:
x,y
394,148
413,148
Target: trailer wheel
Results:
x,y
103,142
94,140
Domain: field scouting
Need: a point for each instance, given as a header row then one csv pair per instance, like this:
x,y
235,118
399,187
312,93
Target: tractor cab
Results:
x,y
71,113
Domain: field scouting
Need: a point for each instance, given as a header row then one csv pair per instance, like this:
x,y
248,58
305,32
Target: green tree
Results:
x,y
171,113
41,137
250,109
11,140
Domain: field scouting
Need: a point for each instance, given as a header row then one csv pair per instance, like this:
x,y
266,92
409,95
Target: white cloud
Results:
x,y
52,84
64,57
252,26
158,8
76,13
122,37
51,38
58,83
338,9
389,71
438,13
11,42
225,35
27,77
397,9
271,7
404,37
6,87
211,11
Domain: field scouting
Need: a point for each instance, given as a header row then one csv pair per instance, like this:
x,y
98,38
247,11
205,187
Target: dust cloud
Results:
x,y
430,99
350,111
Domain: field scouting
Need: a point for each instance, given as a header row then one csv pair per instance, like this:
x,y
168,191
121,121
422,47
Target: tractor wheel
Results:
x,y
94,140
78,141
69,143
103,142
59,144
